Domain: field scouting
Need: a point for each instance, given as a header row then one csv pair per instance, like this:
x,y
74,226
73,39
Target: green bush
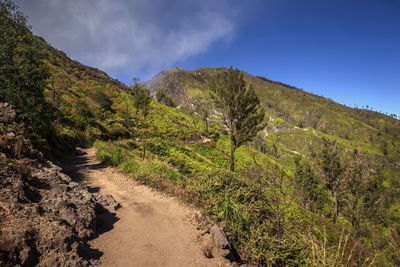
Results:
x,y
165,99
103,153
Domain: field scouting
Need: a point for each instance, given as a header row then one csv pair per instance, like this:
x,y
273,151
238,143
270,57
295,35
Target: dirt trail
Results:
x,y
150,229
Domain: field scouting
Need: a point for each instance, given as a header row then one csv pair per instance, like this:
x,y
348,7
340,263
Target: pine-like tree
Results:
x,y
331,164
202,107
309,189
239,106
356,179
376,203
141,98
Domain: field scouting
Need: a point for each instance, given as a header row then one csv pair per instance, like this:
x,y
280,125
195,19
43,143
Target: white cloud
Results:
x,y
127,37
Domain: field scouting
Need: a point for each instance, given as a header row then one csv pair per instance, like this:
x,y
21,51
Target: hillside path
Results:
x,y
151,229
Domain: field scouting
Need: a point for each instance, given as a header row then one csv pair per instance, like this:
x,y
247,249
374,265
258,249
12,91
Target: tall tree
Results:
x,y
331,165
376,202
356,179
308,187
23,74
141,97
239,106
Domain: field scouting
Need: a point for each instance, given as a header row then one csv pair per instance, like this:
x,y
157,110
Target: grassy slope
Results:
x,y
85,100
289,108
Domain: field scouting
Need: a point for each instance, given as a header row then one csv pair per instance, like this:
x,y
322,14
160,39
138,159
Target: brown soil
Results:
x,y
150,229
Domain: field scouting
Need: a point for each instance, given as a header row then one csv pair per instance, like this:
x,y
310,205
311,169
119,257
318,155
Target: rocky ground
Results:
x,y
46,219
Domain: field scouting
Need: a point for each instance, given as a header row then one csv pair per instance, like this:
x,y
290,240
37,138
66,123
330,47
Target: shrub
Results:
x,y
165,99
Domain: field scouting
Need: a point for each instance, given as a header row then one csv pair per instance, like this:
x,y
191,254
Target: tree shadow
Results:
x,y
93,189
88,253
105,220
77,167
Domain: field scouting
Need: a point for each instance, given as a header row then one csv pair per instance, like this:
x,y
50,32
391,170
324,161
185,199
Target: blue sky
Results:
x,y
348,51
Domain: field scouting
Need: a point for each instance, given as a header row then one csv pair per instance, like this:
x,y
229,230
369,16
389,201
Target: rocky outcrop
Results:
x,y
45,217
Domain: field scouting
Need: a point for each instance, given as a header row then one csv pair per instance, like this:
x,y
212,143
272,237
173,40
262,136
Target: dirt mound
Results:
x,y
46,219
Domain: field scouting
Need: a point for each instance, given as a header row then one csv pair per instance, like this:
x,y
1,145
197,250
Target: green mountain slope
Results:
x,y
291,110
169,150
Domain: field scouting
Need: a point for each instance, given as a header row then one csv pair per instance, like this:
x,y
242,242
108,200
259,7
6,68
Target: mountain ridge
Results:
x,y
303,109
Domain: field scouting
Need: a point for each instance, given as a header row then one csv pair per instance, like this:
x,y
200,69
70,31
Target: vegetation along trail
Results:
x,y
150,229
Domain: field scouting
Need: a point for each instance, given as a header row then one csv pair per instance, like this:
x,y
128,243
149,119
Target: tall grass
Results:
x,y
341,254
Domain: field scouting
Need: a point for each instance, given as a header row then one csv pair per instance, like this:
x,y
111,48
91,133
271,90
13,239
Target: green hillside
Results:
x,y
294,111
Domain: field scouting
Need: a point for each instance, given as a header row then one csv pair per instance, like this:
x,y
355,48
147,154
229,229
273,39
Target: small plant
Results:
x,y
231,212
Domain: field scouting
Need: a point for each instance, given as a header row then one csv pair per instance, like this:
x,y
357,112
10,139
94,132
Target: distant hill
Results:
x,y
292,110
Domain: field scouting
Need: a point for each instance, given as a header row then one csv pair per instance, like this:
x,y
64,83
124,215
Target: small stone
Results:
x,y
220,239
80,151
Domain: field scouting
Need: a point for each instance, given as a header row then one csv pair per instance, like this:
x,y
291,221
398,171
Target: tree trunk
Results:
x,y
336,208
373,236
357,214
232,154
52,88
206,126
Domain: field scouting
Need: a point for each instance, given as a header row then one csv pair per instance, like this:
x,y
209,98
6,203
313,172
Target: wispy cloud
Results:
x,y
127,37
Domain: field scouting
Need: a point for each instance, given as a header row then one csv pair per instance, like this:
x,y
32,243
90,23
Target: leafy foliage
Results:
x,y
356,179
22,71
240,107
311,193
141,99
331,165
